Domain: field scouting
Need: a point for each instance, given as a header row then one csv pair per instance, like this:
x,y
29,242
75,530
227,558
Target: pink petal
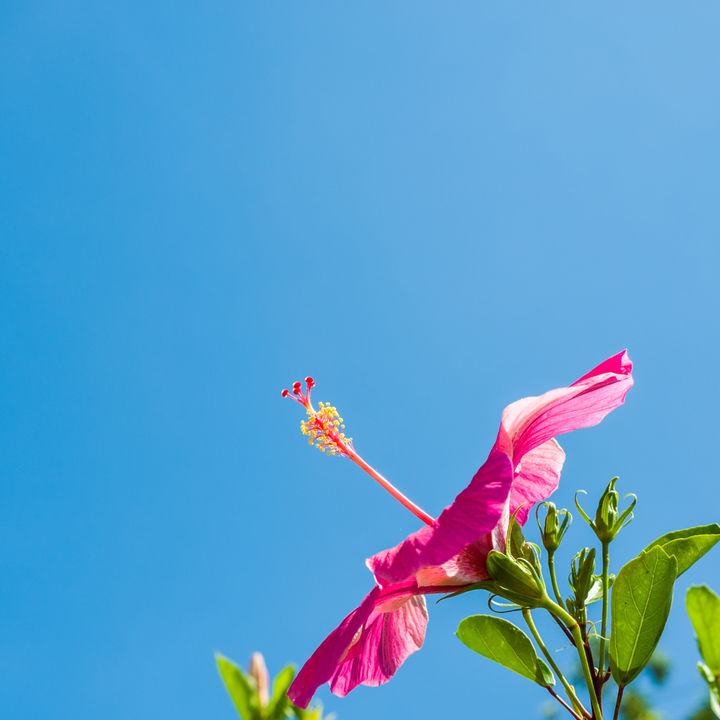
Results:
x,y
528,423
474,513
388,639
324,661
617,364
537,477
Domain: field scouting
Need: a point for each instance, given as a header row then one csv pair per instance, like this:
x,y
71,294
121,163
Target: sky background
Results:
x,y
434,209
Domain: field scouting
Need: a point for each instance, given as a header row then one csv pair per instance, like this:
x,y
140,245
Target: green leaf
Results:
x,y
688,546
241,688
596,591
279,700
703,607
506,644
640,605
713,687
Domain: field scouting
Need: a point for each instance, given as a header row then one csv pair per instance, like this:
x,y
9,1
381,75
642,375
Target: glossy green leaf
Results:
x,y
688,546
506,644
240,686
640,605
279,700
703,607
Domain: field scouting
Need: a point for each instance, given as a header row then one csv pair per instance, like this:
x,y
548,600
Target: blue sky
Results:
x,y
434,209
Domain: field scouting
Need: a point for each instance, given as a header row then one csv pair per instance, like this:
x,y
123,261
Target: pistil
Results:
x,y
325,430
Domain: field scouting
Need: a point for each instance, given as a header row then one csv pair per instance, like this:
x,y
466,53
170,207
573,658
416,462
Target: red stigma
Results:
x,y
297,393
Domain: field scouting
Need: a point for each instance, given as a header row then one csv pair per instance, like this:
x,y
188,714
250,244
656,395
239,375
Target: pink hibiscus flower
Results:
x,y
450,553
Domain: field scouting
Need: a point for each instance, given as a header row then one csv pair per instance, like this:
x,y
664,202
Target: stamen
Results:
x,y
324,429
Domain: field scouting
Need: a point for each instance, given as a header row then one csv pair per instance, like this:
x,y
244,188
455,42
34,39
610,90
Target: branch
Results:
x,y
564,704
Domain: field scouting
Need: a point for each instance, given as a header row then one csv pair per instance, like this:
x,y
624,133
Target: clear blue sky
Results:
x,y
434,209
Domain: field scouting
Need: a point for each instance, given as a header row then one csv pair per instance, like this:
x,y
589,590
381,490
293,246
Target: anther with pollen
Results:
x,y
324,427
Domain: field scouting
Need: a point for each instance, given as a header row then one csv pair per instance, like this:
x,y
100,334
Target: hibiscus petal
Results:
x,y
324,661
528,423
476,511
388,639
617,364
536,478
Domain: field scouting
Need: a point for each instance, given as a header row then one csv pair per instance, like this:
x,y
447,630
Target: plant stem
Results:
x,y
551,568
603,631
621,689
561,625
564,704
574,628
568,688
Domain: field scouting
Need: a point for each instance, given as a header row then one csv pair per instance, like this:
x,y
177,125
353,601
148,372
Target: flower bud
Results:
x,y
518,576
553,532
259,673
581,581
582,569
516,546
607,512
608,520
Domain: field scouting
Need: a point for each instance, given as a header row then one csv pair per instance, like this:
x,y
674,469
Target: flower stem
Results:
x,y
603,631
574,628
551,568
568,688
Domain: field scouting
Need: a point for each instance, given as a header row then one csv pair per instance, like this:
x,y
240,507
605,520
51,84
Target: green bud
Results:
x,y
517,547
607,515
553,532
515,543
582,573
581,580
608,520
520,577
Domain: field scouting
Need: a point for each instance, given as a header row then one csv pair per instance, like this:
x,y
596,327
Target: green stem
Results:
x,y
551,568
621,690
603,631
574,628
568,688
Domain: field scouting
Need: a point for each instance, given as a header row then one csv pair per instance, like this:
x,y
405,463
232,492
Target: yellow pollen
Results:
x,y
323,429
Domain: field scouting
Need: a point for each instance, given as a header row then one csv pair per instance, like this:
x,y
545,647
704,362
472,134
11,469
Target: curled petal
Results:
x,y
528,423
619,364
475,512
387,641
